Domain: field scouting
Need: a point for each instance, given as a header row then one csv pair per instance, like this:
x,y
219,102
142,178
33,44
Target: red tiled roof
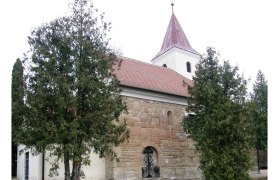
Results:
x,y
147,76
175,37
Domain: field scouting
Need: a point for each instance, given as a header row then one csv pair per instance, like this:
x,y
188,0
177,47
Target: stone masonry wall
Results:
x,y
150,125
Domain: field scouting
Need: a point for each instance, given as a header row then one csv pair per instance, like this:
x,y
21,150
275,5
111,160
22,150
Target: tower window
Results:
x,y
164,65
189,67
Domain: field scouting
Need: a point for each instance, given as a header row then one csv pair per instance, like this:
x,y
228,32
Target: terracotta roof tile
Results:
x,y
147,76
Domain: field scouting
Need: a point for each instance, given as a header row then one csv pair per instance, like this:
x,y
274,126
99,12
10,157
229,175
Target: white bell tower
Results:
x,y
176,52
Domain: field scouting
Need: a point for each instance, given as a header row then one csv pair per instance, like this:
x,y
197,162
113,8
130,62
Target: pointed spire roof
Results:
x,y
175,37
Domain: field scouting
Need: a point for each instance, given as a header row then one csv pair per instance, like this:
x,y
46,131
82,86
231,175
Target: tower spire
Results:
x,y
175,37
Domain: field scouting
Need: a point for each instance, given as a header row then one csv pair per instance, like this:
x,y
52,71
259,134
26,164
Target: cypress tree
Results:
x,y
17,109
259,113
220,126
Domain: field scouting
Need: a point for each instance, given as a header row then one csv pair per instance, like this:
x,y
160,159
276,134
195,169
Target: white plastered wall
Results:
x,y
176,59
96,170
35,165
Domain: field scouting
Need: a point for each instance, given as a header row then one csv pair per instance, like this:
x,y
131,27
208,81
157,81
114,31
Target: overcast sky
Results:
x,y
245,32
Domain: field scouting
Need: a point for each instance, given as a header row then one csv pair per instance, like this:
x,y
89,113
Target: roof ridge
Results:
x,y
148,63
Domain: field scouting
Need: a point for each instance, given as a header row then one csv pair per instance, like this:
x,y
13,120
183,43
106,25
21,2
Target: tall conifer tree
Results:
x,y
73,99
259,113
220,126
17,109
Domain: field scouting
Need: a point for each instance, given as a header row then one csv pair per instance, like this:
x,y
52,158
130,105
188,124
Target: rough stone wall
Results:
x,y
150,125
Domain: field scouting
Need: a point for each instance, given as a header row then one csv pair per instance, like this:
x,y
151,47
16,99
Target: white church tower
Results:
x,y
176,52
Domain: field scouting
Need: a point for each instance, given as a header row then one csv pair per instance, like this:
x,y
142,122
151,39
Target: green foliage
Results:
x,y
73,99
259,111
17,109
220,126
258,105
17,99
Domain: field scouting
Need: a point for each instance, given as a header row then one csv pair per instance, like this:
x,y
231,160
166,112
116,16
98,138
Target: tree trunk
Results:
x,y
258,160
67,169
66,166
76,171
77,162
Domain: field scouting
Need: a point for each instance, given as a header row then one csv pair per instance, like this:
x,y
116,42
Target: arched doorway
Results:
x,y
150,168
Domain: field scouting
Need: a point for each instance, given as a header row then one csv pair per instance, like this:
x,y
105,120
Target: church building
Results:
x,y
155,94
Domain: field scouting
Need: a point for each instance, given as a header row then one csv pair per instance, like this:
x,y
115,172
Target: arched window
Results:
x,y
164,65
169,118
150,168
189,67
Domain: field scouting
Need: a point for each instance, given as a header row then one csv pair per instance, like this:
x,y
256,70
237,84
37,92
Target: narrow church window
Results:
x,y
169,118
164,65
189,67
150,168
26,166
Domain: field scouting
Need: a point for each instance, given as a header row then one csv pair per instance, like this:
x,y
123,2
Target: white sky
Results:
x,y
245,32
